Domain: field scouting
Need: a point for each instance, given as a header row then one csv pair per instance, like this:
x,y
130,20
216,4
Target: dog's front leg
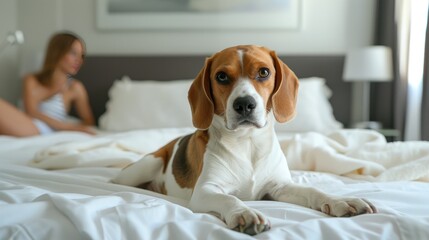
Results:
x,y
315,199
211,198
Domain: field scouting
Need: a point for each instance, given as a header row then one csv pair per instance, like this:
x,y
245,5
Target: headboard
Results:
x,y
99,72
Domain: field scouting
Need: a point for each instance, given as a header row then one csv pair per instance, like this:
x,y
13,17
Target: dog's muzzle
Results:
x,y
244,106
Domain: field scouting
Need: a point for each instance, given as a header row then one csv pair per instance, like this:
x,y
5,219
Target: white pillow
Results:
x,y
157,104
313,111
147,104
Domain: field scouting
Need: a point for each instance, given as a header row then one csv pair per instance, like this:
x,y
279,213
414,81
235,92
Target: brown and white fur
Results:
x,y
234,155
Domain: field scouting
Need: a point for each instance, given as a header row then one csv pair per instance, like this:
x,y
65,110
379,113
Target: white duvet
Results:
x,y
78,202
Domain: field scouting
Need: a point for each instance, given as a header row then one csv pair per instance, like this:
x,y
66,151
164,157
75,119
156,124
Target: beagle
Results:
x,y
235,156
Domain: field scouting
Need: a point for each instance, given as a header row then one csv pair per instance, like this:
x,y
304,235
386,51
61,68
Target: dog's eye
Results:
x,y
222,78
263,73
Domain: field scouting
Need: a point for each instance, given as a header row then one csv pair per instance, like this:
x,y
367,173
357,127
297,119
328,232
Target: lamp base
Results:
x,y
368,125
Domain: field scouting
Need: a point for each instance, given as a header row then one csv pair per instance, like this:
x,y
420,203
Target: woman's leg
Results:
x,y
14,122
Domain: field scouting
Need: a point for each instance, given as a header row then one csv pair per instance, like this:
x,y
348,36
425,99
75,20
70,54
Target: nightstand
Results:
x,y
391,135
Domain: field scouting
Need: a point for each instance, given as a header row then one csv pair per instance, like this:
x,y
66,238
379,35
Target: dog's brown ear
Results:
x,y
200,98
285,91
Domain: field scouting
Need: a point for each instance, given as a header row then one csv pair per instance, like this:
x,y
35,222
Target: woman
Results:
x,y
49,94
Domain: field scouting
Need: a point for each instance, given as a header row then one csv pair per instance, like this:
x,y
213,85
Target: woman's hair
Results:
x,y
59,45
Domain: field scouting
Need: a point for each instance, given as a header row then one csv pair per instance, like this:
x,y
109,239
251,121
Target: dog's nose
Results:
x,y
244,105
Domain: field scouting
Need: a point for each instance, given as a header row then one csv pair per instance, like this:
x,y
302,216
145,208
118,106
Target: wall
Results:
x,y
328,27
9,80
38,20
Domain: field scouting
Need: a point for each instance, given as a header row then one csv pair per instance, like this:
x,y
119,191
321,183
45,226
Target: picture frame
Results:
x,y
202,15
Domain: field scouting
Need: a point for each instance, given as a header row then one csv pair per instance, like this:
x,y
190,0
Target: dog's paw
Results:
x,y
248,221
347,207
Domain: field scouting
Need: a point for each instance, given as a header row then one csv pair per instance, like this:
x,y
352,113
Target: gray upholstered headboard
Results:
x,y
99,72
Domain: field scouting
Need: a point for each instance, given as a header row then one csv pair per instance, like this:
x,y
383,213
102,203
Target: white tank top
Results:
x,y
54,107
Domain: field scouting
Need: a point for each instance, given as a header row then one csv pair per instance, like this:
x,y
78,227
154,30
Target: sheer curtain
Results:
x,y
425,97
404,105
402,23
392,29
418,26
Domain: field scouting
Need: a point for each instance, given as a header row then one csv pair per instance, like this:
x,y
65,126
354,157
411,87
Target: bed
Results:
x,y
58,186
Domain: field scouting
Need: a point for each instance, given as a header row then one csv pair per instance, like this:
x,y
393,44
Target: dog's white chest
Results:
x,y
249,190
242,167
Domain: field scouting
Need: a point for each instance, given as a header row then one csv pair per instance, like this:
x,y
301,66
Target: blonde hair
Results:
x,y
59,45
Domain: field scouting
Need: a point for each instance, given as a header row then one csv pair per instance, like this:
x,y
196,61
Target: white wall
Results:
x,y
10,85
328,27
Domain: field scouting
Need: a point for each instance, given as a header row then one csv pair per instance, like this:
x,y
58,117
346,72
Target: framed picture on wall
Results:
x,y
198,14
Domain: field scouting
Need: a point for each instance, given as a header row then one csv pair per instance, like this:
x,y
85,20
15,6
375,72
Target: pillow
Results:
x,y
147,104
164,104
313,109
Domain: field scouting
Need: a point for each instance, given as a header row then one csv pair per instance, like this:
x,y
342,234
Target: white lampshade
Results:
x,y
372,63
16,37
12,38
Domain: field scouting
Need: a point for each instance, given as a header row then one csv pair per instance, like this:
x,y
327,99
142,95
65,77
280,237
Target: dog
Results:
x,y
234,155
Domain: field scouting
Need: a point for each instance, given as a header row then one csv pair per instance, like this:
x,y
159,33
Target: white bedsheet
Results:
x,y
80,203
358,153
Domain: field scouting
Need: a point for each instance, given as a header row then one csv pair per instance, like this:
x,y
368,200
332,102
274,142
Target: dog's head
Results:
x,y
243,84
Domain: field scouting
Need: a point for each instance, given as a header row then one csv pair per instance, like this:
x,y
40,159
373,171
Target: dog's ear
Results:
x,y
200,98
285,91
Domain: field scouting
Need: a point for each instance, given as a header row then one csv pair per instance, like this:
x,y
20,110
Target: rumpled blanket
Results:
x,y
355,153
358,153
112,150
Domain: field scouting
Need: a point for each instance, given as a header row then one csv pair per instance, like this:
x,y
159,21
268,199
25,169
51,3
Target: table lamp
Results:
x,y
362,66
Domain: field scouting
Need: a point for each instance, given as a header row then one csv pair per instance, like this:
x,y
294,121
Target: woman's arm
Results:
x,y
82,103
33,95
